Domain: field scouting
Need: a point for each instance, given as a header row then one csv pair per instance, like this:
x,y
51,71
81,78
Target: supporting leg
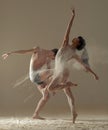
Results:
x,y
41,104
71,102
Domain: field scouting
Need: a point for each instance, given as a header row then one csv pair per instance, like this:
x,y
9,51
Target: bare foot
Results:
x,y
38,117
70,84
74,117
74,84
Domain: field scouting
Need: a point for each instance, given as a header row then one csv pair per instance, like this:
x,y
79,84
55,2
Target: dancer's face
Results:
x,y
75,42
52,55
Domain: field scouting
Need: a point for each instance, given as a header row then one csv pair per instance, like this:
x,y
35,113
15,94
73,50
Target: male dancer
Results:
x,y
41,77
40,57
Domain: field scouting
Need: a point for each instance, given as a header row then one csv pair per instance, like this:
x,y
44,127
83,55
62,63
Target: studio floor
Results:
x,y
27,123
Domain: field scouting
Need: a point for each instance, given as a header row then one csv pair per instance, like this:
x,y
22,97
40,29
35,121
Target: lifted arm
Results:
x,y
19,52
86,67
66,37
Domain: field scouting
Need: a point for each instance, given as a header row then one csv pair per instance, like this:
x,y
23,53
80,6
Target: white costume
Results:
x,y
61,60
64,55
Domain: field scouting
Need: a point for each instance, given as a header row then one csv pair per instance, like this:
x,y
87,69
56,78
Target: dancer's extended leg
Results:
x,y
55,85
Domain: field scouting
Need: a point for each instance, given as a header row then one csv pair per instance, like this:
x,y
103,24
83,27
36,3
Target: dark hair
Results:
x,y
55,50
81,43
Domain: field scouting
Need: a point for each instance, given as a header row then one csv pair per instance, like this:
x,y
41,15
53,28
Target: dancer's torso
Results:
x,y
38,59
63,56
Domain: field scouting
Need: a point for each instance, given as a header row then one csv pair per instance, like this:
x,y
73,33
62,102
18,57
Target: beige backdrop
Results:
x,y
28,23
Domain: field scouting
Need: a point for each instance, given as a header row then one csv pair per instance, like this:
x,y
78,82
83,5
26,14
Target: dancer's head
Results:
x,y
78,43
55,50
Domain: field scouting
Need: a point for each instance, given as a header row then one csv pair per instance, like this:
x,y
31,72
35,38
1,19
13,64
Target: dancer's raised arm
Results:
x,y
66,37
19,52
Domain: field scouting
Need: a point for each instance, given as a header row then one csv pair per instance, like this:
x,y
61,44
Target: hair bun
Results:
x,y
81,43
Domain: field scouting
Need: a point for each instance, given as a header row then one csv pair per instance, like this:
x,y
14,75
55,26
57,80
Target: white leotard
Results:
x,y
62,57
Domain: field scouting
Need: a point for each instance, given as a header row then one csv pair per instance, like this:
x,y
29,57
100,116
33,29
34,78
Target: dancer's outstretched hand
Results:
x,y
73,11
4,56
96,77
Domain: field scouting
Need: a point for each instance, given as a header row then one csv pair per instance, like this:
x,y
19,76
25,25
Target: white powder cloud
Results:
x,y
98,55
